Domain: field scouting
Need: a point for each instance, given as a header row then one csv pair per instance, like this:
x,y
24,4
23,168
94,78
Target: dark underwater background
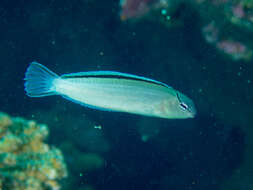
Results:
x,y
107,150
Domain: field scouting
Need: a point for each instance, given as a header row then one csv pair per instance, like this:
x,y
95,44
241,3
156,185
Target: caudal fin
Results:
x,y
39,81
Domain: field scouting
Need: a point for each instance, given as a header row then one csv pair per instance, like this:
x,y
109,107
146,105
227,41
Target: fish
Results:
x,y
110,91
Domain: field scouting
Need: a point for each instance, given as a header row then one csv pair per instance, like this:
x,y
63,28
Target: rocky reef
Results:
x,y
26,162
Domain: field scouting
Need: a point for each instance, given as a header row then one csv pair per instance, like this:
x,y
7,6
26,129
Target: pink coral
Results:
x,y
236,49
238,11
211,32
135,8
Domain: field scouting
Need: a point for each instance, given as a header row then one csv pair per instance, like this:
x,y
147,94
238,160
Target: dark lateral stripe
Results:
x,y
115,77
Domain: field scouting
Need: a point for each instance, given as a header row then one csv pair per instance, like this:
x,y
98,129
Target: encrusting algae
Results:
x,y
26,162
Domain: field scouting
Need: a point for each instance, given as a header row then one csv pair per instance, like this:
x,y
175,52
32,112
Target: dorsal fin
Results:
x,y
111,74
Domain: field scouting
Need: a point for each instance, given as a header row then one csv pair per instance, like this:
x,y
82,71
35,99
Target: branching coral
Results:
x,y
26,162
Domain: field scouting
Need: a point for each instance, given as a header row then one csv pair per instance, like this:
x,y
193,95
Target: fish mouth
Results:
x,y
192,112
193,115
190,115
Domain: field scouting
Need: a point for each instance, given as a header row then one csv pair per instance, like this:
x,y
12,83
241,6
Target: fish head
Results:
x,y
179,106
184,106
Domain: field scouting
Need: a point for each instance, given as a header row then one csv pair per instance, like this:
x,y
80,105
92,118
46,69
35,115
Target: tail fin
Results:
x,y
39,81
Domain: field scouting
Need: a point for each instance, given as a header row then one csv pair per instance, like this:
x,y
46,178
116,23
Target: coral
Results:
x,y
235,49
84,139
135,9
83,133
26,162
228,35
233,30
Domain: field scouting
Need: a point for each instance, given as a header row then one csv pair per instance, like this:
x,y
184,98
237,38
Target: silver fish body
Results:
x,y
111,91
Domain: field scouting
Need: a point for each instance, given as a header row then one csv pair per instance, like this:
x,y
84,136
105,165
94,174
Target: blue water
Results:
x,y
74,36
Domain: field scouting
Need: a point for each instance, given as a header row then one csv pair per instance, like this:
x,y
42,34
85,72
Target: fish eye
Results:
x,y
183,105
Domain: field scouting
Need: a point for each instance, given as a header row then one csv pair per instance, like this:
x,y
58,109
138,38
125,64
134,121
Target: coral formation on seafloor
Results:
x,y
26,162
